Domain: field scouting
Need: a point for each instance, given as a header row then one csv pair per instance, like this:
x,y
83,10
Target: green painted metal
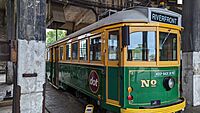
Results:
x,y
113,83
112,108
77,76
49,70
143,96
120,78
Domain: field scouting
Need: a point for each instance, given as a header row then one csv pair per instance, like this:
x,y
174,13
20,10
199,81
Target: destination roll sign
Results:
x,y
164,18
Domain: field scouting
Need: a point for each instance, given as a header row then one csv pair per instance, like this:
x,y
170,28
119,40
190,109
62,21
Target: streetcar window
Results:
x,y
113,45
61,53
83,50
53,55
95,49
142,46
47,54
68,51
168,46
75,51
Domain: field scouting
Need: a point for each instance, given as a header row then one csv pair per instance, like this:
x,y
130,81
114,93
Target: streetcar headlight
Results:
x,y
168,83
171,83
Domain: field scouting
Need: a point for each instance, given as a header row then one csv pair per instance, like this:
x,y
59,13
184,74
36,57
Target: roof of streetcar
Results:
x,y
136,14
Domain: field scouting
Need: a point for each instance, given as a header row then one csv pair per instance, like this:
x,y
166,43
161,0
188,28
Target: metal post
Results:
x,y
191,52
30,80
56,34
11,38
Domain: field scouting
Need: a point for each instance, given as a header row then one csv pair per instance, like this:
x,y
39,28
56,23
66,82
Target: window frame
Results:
x,y
119,62
66,56
87,49
47,55
92,37
54,53
142,63
75,60
177,61
51,54
144,49
118,44
62,53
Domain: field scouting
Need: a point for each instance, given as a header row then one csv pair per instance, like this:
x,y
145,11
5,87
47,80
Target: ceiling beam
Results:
x,y
77,4
81,17
90,4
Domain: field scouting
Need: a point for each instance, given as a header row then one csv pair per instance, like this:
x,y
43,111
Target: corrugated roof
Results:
x,y
138,14
122,16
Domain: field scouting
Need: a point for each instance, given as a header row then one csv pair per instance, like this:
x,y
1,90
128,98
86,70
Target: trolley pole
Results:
x,y
31,35
191,52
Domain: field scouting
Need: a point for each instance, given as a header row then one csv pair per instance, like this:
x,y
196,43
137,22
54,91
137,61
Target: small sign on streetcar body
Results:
x,y
148,83
158,17
164,16
94,81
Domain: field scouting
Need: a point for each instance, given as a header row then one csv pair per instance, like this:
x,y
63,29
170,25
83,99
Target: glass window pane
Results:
x,y
151,49
52,54
61,53
83,50
95,49
75,51
168,46
113,45
68,51
142,46
48,55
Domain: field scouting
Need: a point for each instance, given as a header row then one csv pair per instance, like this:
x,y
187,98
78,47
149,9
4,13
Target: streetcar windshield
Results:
x,y
142,46
168,46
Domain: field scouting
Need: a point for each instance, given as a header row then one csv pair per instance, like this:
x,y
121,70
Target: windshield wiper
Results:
x,y
166,37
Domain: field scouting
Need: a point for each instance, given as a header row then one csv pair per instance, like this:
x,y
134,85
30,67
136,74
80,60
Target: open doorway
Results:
x,y
2,72
6,82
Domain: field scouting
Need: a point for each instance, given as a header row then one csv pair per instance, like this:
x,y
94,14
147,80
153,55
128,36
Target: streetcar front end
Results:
x,y
152,69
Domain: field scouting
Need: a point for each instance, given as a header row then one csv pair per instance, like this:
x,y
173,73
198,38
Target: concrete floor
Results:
x,y
6,109
192,110
58,101
62,102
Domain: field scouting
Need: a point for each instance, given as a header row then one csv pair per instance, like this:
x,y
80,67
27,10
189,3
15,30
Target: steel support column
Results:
x,y
191,52
31,36
11,39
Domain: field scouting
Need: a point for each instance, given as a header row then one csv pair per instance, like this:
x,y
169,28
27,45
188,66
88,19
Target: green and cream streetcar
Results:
x,y
128,62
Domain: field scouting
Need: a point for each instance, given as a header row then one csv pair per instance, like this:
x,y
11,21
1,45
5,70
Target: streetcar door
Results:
x,y
51,65
56,68
112,62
